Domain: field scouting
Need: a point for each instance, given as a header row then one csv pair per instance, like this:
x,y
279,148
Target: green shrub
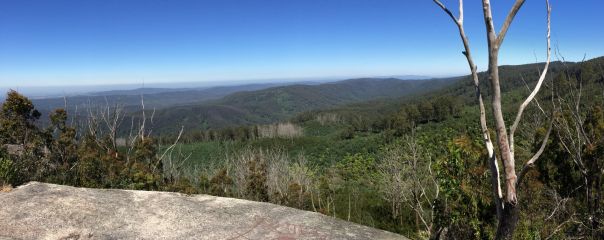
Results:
x,y
7,171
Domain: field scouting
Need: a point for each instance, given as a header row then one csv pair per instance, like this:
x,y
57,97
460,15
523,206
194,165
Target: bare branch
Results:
x,y
444,8
152,116
509,19
174,144
531,161
536,100
537,87
142,127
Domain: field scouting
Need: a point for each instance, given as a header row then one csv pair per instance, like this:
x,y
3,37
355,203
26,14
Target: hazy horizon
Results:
x,y
67,90
67,43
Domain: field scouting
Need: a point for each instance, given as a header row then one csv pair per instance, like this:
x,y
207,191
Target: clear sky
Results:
x,y
79,42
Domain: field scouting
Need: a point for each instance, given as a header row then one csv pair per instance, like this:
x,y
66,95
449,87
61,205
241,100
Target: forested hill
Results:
x,y
280,103
515,82
367,100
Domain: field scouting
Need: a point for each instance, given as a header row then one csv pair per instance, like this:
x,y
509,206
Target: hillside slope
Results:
x,y
280,103
515,82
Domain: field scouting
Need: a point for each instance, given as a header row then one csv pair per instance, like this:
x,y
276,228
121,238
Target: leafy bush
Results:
x,y
7,171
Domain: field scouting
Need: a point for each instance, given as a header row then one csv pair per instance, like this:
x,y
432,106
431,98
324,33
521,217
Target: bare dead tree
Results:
x,y
560,215
141,130
169,162
407,180
507,209
112,118
303,174
236,164
104,121
574,137
278,177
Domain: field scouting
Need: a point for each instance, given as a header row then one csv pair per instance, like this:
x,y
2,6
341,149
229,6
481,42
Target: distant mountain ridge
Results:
x,y
226,106
408,77
280,103
516,80
154,97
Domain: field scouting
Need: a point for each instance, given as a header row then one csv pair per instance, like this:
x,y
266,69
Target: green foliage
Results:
x,y
17,129
221,184
7,171
347,133
145,151
183,185
256,178
91,170
17,119
204,183
63,147
357,168
141,177
466,203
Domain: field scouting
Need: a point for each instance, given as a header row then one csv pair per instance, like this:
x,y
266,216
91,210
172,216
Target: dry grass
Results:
x,y
328,118
280,130
6,188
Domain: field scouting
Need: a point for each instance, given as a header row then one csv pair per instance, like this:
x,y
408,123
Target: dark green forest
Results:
x,y
410,161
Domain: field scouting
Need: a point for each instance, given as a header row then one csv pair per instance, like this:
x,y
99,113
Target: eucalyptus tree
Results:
x,y
506,203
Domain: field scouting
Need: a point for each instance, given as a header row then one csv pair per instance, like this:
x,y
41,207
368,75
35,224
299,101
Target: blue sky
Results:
x,y
78,42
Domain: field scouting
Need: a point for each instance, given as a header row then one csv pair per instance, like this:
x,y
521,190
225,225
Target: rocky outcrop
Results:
x,y
47,211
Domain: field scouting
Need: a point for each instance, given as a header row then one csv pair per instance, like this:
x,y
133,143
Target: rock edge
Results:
x,y
48,211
